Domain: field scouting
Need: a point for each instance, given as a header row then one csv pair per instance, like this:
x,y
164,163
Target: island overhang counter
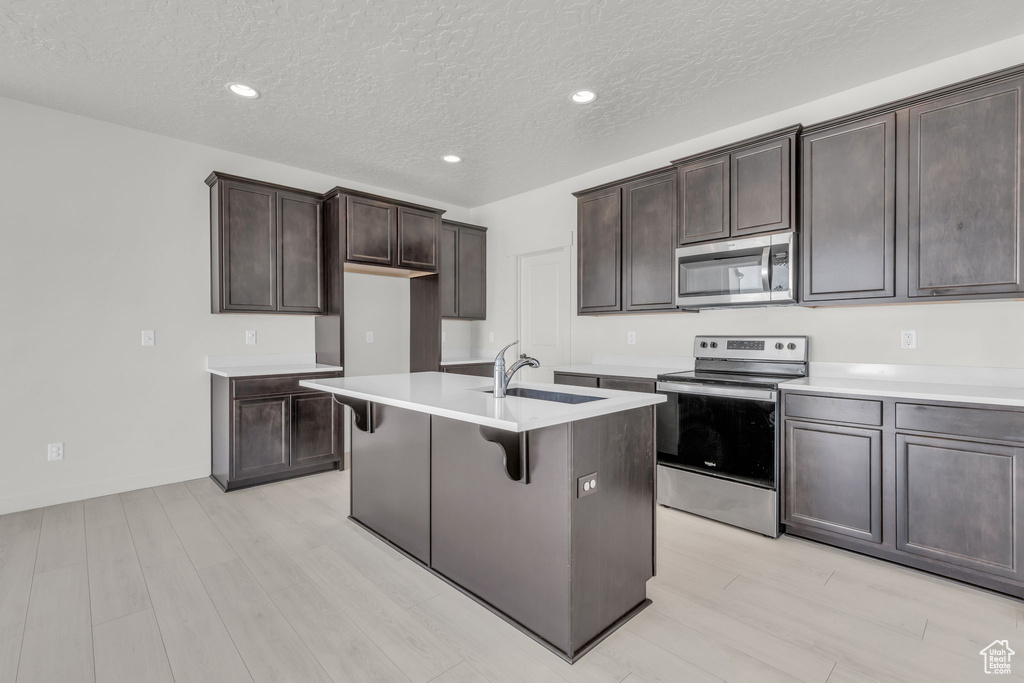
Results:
x,y
541,510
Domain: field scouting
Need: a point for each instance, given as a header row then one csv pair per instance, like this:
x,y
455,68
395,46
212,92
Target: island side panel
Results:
x,y
390,472
504,541
612,527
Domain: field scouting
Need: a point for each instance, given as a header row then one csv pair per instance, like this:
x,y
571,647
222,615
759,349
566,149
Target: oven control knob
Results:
x,y
714,345
791,346
703,345
779,345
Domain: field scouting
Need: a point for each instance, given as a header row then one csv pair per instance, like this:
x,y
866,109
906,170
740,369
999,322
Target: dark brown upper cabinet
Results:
x,y
385,233
266,247
599,250
848,215
920,198
463,271
742,189
966,203
449,281
626,239
370,230
649,219
418,237
704,200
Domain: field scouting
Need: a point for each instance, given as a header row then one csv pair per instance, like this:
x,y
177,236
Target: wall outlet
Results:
x,y
586,484
908,339
490,336
631,337
250,336
369,337
148,338
55,451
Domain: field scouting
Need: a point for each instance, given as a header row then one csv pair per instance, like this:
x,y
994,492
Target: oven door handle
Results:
x,y
705,390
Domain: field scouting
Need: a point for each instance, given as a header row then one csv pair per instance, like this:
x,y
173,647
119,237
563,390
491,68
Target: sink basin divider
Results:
x,y
513,444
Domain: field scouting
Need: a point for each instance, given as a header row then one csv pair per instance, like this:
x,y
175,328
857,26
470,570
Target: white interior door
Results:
x,y
543,311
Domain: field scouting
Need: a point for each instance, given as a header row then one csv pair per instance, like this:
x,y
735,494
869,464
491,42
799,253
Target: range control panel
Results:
x,y
751,348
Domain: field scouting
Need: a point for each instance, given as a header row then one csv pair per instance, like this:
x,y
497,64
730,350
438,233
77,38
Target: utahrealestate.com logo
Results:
x,y
997,657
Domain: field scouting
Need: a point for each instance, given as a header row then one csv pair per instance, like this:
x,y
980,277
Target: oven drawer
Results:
x,y
850,410
998,425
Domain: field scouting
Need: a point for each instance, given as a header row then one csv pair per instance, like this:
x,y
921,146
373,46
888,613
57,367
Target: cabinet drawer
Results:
x,y
999,425
269,386
576,380
474,369
645,386
851,410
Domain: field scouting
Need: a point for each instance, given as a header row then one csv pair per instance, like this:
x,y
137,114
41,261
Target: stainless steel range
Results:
x,y
717,436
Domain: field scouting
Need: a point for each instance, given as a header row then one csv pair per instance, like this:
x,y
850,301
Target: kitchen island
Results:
x,y
541,508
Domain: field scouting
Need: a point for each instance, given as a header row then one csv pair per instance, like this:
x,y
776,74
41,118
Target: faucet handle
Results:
x,y
501,354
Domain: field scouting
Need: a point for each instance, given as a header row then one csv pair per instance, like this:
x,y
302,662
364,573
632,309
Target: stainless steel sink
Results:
x,y
555,396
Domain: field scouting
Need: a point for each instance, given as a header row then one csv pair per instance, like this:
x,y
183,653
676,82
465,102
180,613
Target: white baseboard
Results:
x,y
38,499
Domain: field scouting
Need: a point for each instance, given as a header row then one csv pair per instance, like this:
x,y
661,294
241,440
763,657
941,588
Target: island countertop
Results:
x,y
465,398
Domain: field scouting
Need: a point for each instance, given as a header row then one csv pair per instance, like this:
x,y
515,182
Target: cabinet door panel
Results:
x,y
418,238
261,436
449,271
704,200
761,187
370,230
965,192
472,250
576,380
834,479
300,253
599,251
648,230
849,211
313,434
391,478
960,502
249,269
646,386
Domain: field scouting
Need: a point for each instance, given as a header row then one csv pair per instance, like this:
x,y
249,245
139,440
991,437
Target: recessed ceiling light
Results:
x,y
584,96
243,90
451,158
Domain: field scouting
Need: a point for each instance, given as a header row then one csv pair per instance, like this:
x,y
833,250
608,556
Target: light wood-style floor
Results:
x,y
184,583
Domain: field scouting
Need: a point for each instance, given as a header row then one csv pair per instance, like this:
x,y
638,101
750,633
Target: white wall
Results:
x,y
380,305
974,334
104,232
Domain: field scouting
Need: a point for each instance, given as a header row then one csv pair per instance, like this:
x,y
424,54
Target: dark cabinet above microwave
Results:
x,y
746,188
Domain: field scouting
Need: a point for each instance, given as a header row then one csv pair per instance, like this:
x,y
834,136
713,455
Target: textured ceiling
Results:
x,y
377,90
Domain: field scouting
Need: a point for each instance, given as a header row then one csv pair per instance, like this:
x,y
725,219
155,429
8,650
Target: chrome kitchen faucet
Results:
x,y
502,378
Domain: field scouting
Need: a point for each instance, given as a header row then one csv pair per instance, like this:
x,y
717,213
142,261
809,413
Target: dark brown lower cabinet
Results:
x,y
834,479
646,386
961,502
934,486
474,369
265,429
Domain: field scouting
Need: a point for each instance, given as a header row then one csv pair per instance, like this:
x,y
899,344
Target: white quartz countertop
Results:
x,y
463,397
929,391
257,370
639,371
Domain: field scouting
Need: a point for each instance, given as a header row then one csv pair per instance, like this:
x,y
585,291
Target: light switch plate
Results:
x,y
369,337
586,484
148,338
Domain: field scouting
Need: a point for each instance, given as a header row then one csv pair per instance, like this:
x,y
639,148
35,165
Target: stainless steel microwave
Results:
x,y
748,271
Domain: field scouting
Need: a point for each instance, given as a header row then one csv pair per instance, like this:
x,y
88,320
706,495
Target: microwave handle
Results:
x,y
766,269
